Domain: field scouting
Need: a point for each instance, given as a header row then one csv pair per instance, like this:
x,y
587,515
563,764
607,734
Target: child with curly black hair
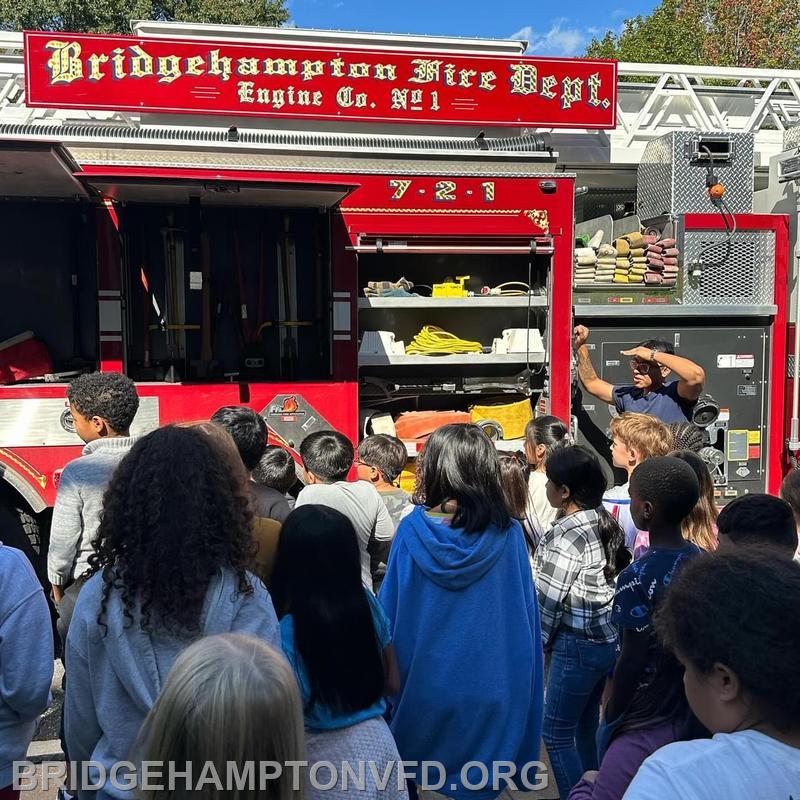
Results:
x,y
726,619
170,566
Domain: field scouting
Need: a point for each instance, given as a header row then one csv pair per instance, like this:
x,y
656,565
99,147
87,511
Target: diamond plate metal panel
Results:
x,y
791,137
669,182
741,272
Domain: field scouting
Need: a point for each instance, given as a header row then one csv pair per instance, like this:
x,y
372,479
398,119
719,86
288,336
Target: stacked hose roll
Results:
x,y
433,341
585,261
662,261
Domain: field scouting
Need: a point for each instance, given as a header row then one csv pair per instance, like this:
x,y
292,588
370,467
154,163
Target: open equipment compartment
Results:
x,y
515,267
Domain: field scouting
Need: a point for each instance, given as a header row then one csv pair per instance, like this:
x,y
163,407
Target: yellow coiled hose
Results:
x,y
432,341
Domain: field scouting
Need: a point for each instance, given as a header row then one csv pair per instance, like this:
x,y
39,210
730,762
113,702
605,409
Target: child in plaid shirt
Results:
x,y
576,564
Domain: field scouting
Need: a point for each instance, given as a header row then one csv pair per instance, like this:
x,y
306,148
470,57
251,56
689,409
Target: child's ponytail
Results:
x,y
613,538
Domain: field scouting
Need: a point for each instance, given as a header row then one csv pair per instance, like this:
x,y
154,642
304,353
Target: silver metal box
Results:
x,y
791,137
739,272
671,177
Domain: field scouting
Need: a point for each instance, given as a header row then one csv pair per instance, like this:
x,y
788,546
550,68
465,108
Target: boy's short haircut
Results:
x,y
669,484
247,429
758,520
328,455
109,395
386,453
645,434
276,469
734,608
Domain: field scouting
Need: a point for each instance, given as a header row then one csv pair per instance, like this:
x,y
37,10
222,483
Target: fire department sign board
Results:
x,y
128,73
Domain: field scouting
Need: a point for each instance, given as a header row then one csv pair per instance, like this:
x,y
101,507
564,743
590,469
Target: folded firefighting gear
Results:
x,y
399,288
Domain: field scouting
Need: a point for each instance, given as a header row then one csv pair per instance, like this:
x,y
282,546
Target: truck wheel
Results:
x,y
20,529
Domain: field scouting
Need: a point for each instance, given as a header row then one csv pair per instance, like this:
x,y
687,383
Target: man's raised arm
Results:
x,y
601,389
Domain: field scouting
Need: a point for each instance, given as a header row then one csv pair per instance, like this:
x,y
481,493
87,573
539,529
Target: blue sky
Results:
x,y
552,29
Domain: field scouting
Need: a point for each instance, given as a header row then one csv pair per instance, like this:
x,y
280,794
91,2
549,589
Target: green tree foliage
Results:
x,y
729,33
113,16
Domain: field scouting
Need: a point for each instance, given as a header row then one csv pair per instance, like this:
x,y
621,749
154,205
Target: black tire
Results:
x,y
20,529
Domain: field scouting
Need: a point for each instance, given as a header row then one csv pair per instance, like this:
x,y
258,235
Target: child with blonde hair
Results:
x,y
635,438
229,699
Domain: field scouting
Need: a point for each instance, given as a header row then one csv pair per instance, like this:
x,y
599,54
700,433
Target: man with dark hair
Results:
x,y
651,363
249,433
328,458
102,405
758,520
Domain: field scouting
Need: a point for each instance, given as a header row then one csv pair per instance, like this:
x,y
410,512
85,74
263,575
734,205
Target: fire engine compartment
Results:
x,y
450,382
49,279
208,293
224,293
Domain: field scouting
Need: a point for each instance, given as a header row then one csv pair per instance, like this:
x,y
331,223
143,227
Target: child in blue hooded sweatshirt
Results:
x,y
459,595
170,566
26,659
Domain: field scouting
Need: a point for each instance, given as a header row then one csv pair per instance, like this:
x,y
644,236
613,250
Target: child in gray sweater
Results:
x,y
103,406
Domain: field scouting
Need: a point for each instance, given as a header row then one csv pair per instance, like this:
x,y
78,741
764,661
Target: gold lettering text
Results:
x,y
245,91
594,84
312,69
549,83
337,68
571,89
487,80
195,65
400,188
425,70
280,66
444,191
359,70
523,78
464,77
169,68
385,72
399,99
95,60
247,66
141,62
65,63
220,65
118,61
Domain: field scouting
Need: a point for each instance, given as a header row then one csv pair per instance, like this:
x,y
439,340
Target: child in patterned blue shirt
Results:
x,y
663,492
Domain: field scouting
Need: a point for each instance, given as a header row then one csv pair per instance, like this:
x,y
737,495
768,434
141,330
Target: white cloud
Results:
x,y
562,39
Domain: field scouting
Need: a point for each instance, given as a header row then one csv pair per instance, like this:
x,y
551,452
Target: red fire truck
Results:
x,y
272,218
339,229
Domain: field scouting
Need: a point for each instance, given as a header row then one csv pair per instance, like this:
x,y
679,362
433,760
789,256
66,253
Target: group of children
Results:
x,y
413,626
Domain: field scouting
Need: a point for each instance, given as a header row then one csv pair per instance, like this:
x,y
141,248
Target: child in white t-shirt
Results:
x,y
542,436
725,618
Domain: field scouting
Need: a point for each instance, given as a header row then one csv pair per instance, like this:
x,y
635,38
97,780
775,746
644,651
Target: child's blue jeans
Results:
x,y
578,668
